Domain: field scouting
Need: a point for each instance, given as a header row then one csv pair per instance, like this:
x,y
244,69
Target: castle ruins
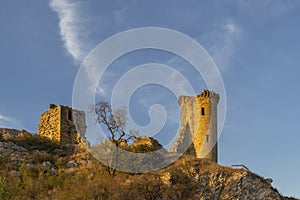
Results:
x,y
198,131
58,124
197,134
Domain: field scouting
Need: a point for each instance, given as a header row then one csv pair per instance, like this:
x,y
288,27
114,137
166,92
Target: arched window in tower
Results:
x,y
202,111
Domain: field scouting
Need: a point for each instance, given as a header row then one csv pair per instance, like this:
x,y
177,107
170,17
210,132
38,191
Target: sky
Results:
x,y
255,45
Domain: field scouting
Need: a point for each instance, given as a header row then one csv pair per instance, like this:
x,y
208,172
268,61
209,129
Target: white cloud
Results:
x,y
222,43
8,122
70,25
81,27
3,118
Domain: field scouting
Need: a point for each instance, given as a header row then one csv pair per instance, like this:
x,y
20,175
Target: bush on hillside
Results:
x,y
35,142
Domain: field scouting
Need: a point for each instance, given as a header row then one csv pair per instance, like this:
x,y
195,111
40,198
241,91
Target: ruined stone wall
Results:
x,y
58,124
188,122
49,125
69,133
198,129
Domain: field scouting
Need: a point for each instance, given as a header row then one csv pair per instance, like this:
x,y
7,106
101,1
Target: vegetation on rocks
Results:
x,y
45,171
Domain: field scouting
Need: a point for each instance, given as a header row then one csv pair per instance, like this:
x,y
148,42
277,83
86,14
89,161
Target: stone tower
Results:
x,y
58,124
198,131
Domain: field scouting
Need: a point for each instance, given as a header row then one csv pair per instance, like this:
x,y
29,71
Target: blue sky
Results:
x,y
255,44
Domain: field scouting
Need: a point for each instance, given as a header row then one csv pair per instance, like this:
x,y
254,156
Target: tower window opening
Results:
x,y
70,115
202,111
207,138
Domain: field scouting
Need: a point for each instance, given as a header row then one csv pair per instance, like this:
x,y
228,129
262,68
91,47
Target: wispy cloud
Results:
x,y
222,43
8,122
71,27
81,27
3,118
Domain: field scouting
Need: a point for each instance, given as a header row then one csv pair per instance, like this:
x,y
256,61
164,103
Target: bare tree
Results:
x,y
115,122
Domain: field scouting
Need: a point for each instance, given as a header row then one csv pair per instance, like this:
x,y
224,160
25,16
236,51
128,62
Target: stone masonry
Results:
x,y
198,131
58,124
197,134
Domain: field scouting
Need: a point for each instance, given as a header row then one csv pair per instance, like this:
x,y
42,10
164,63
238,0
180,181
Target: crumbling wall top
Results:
x,y
209,94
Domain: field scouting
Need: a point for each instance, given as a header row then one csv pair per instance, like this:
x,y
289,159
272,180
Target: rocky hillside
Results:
x,y
36,168
208,180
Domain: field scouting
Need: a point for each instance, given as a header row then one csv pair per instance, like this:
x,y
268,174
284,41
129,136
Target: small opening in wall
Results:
x,y
207,138
70,115
202,111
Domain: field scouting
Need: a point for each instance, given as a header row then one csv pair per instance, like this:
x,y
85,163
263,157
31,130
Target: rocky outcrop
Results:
x,y
145,144
202,179
15,154
8,133
186,178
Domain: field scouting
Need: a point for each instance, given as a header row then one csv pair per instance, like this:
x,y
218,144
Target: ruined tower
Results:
x,y
58,124
198,130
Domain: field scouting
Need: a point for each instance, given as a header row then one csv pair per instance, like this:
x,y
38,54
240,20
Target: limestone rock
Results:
x,y
30,166
72,164
145,144
15,153
8,133
207,181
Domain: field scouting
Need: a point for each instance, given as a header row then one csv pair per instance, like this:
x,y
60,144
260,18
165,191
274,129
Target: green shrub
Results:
x,y
3,188
35,142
